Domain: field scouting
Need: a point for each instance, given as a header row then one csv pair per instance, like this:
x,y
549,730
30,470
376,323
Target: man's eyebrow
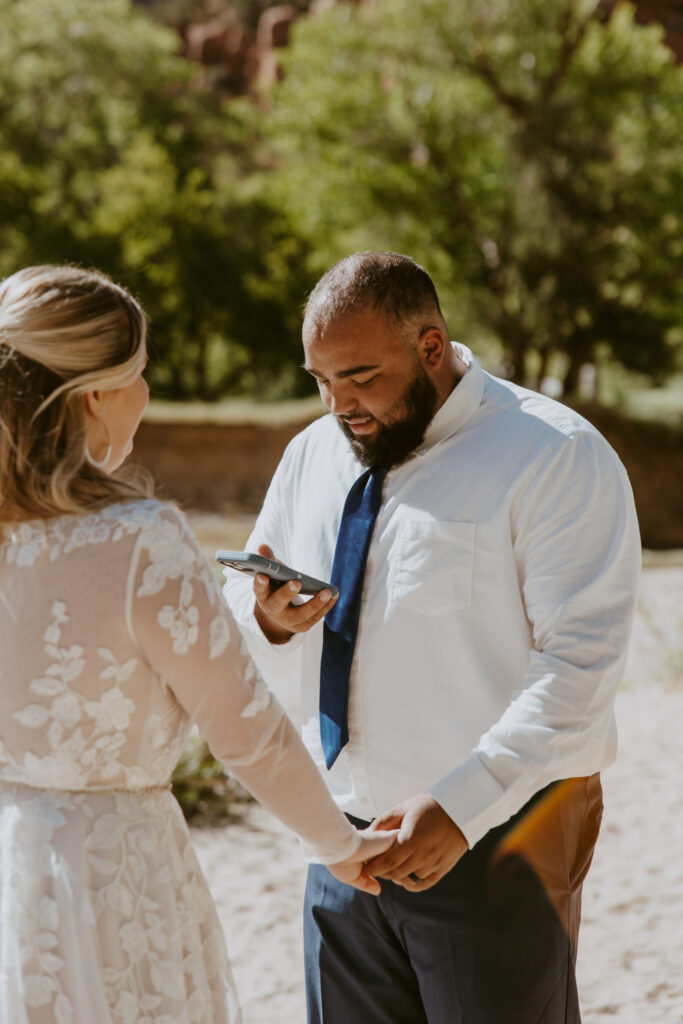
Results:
x,y
351,372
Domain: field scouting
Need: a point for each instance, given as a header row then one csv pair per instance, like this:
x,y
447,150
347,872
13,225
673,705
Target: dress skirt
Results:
x,y
105,915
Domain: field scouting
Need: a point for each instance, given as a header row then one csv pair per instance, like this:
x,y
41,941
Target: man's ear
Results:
x,y
432,346
93,403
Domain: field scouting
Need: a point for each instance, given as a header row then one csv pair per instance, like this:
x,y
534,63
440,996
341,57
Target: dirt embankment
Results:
x,y
219,466
212,467
653,457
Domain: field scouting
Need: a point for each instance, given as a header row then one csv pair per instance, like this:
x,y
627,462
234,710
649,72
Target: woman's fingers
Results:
x,y
374,842
352,870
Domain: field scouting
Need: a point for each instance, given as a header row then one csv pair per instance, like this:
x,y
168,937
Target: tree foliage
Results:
x,y
110,156
529,152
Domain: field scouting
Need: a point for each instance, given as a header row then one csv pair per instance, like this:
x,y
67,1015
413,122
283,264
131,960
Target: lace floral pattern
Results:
x,y
261,698
148,912
172,555
86,736
83,734
36,913
28,541
160,940
116,638
114,869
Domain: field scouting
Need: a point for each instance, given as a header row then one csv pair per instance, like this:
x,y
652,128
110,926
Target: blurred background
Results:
x,y
216,157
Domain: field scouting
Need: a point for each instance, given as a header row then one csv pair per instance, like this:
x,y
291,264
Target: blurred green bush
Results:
x,y
206,792
528,152
112,155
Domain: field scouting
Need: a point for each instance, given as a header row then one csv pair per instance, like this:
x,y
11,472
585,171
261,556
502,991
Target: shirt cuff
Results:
x,y
473,799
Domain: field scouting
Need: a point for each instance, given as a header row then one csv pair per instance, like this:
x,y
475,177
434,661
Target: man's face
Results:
x,y
374,383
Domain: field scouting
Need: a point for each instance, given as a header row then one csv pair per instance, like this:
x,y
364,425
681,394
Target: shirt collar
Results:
x,y
460,406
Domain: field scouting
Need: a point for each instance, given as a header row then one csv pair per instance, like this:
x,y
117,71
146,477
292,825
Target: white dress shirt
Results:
x,y
497,603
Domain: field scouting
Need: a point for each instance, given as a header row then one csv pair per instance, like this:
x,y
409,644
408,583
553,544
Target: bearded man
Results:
x,y
461,687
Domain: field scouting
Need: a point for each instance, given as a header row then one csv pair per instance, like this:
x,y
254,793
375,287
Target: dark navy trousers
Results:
x,y
494,942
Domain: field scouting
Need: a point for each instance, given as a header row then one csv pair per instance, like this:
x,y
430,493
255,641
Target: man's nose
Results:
x,y
340,401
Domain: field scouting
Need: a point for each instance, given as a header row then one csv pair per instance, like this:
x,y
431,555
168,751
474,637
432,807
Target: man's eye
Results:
x,y
364,383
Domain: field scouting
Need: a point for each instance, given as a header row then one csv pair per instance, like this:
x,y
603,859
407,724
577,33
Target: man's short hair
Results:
x,y
386,281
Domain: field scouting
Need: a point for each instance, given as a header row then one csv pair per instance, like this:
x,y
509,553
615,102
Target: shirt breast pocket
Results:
x,y
431,568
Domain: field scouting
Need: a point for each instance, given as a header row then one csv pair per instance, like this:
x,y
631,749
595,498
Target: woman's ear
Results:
x,y
93,403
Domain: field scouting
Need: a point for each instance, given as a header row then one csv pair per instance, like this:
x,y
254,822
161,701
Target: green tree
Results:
x,y
109,155
529,152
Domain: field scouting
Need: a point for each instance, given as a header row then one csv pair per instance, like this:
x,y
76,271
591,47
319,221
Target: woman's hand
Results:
x,y
351,870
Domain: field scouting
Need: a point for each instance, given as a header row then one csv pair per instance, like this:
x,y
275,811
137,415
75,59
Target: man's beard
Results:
x,y
393,443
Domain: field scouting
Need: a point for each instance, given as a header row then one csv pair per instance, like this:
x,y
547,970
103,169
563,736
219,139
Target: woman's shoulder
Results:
x,y
25,543
141,512
125,518
150,521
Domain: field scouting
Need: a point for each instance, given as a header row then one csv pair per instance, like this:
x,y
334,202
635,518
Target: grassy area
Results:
x,y
235,410
669,559
634,396
215,531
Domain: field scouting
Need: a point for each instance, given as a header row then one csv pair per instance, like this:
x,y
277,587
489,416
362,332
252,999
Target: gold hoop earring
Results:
x,y
99,463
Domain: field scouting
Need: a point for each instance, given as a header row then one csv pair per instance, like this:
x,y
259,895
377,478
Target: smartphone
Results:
x,y
247,561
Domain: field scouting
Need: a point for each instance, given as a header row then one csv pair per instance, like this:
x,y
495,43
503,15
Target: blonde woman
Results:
x,y
114,638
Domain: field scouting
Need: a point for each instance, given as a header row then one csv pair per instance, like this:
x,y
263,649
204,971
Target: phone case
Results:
x,y
251,563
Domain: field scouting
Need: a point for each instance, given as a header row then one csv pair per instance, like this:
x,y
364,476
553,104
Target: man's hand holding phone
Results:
x,y
278,618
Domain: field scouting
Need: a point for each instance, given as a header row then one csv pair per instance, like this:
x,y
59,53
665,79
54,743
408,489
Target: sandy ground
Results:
x,y
631,950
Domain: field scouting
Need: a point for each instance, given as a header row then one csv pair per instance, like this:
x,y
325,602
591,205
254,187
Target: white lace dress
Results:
x,y
114,639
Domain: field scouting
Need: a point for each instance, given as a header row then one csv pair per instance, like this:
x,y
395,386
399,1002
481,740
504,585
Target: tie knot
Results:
x,y
365,495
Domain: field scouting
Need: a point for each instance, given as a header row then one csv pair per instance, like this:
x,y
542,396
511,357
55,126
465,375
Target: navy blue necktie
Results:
x,y
341,623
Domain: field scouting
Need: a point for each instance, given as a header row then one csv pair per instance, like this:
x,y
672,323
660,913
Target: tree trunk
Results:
x,y
579,353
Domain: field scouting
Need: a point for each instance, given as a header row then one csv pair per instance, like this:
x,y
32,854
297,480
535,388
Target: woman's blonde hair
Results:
x,y
63,331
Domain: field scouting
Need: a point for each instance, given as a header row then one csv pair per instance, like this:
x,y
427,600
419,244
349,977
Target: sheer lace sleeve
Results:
x,y
178,618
